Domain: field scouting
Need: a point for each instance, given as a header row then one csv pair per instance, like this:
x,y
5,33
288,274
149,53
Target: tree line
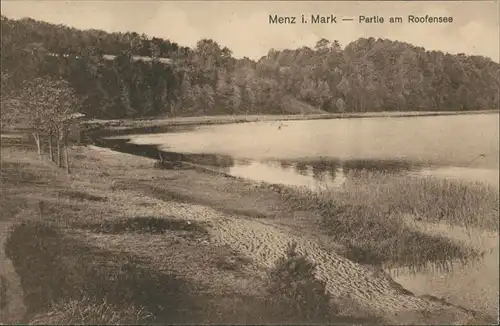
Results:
x,y
366,75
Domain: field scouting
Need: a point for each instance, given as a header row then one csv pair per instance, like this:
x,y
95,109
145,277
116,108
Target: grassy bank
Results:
x,y
106,237
373,217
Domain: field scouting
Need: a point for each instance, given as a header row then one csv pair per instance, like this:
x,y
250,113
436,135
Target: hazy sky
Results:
x,y
243,25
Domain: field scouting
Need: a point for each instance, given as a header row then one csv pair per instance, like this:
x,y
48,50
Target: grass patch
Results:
x,y
92,311
366,217
156,192
185,195
170,165
56,268
150,225
17,173
471,204
3,292
80,195
374,238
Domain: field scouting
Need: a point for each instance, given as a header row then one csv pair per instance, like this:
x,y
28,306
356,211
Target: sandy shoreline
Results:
x,y
118,124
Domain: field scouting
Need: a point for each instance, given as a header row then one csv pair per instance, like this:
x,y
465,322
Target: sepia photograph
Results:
x,y
249,162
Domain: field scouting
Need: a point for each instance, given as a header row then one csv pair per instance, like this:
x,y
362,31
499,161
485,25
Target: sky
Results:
x,y
243,26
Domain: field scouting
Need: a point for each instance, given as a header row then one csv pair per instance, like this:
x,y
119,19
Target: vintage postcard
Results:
x,y
249,162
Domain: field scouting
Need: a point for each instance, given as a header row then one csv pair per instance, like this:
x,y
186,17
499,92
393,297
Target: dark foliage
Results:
x,y
299,292
367,75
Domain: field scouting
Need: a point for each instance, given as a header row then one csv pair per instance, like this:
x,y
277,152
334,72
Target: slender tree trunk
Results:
x,y
51,151
40,209
66,154
59,148
36,136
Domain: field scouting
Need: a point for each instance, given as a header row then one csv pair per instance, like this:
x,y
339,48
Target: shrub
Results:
x,y
299,294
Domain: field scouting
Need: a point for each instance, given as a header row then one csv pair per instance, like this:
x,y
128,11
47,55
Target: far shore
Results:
x,y
121,124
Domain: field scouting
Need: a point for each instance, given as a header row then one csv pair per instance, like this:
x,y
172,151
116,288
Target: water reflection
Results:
x,y
319,172
330,172
301,168
286,164
221,162
387,166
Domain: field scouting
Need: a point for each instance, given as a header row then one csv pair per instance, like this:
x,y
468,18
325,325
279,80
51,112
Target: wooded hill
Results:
x,y
367,75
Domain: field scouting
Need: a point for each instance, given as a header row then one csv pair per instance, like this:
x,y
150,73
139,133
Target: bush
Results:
x,y
299,294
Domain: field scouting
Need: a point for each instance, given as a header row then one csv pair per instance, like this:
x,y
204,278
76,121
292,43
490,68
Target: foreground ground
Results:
x,y
188,246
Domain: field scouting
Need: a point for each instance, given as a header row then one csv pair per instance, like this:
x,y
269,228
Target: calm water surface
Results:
x,y
322,152
474,285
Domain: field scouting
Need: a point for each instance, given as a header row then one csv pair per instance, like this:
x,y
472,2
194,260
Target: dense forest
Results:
x,y
366,75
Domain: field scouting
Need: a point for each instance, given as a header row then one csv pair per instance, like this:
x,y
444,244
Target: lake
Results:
x,y
318,153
